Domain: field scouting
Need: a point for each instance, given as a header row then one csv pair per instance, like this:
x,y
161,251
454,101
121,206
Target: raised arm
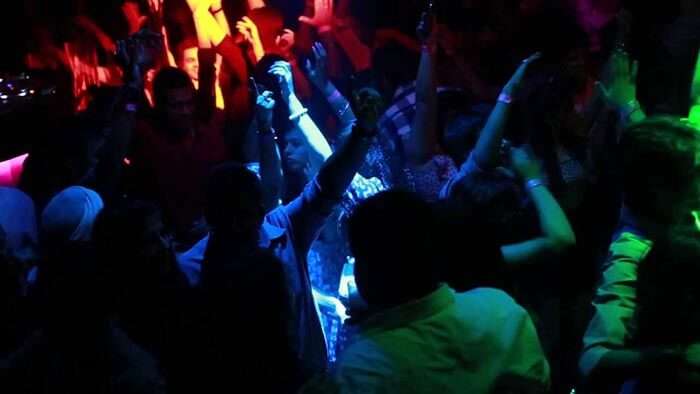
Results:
x,y
318,74
694,115
270,161
249,30
486,152
308,212
619,90
423,139
557,234
318,146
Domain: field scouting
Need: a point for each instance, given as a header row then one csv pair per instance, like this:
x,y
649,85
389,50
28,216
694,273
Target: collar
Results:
x,y
403,315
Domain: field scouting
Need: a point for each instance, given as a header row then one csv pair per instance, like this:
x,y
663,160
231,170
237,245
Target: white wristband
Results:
x,y
298,114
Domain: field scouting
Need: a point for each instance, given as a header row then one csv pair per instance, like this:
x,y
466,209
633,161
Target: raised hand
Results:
x,y
317,70
248,29
133,16
323,16
368,108
620,87
265,106
517,78
282,71
425,27
524,163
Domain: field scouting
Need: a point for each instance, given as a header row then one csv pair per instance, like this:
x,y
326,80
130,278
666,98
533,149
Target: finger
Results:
x,y
308,66
305,19
248,20
288,31
267,94
635,70
317,56
322,51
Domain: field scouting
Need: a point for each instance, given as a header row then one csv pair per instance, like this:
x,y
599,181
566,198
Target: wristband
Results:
x,y
298,115
534,183
505,98
217,11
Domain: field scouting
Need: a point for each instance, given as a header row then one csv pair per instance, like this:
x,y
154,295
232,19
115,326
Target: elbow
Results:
x,y
562,243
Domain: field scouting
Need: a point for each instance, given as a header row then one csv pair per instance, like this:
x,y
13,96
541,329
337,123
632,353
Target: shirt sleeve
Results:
x,y
305,216
615,300
469,167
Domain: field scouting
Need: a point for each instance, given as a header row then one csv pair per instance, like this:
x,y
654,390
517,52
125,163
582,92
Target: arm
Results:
x,y
250,32
558,236
423,138
319,148
270,161
487,147
308,212
103,39
220,16
318,75
255,4
694,115
619,92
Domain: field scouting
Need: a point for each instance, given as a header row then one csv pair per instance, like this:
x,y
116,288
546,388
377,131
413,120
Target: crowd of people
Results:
x,y
345,196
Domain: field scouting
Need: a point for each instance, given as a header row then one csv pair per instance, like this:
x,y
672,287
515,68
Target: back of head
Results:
x,y
660,166
390,237
494,203
396,65
234,201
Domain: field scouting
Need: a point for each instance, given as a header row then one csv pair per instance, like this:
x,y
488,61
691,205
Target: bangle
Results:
x,y
217,11
505,98
344,110
534,183
298,114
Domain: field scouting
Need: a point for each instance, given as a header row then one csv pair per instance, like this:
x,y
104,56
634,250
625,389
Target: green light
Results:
x,y
694,115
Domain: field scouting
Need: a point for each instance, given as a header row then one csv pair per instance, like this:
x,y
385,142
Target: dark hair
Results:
x,y
668,291
390,237
234,199
495,203
187,42
660,167
167,79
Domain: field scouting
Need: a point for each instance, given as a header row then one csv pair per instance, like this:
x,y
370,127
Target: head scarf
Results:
x,y
71,214
18,221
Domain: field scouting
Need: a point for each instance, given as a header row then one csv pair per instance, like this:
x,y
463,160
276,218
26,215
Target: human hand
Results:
x,y
524,163
424,29
249,30
517,78
132,14
282,71
368,107
323,16
265,106
138,53
620,87
317,70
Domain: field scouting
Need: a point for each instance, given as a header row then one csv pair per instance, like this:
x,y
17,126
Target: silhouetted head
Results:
x,y
174,96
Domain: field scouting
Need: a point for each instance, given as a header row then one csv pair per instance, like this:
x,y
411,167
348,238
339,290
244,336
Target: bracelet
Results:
x,y
505,98
217,11
298,115
534,183
344,111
